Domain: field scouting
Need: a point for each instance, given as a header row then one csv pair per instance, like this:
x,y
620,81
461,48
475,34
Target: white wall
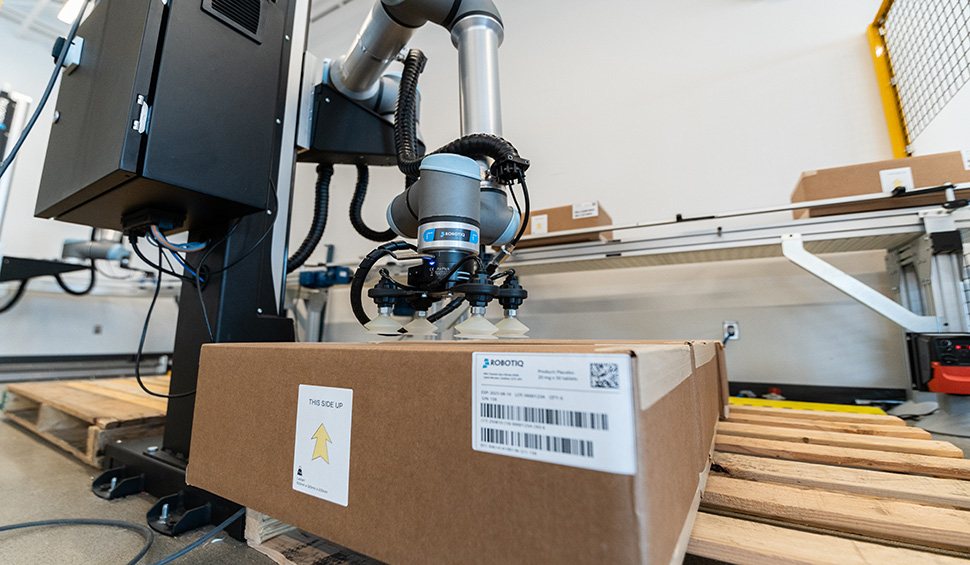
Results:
x,y
47,321
657,108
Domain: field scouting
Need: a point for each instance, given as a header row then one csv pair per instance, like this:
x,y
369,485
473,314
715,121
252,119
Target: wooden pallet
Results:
x,y
287,545
800,486
82,416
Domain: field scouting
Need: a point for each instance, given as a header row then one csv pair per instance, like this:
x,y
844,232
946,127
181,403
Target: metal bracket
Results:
x,y
794,249
938,220
141,124
73,57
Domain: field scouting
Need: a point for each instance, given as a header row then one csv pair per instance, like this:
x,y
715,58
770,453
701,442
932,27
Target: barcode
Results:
x,y
583,448
572,418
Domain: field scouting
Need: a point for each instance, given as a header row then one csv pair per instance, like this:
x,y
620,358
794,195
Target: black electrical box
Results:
x,y
940,362
174,108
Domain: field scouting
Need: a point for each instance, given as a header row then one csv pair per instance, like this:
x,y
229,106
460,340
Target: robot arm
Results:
x,y
476,31
458,202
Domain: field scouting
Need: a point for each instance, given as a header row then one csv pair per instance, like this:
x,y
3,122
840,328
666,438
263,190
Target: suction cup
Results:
x,y
476,327
421,326
384,325
511,327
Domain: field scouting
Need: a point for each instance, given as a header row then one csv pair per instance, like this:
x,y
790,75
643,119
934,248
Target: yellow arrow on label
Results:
x,y
320,448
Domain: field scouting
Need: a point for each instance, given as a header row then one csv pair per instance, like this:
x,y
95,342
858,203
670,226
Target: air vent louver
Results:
x,y
244,16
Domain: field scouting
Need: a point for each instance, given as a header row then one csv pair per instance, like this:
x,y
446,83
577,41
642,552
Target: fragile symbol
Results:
x,y
320,447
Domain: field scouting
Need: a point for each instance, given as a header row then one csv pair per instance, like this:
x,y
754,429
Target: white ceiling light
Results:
x,y
70,9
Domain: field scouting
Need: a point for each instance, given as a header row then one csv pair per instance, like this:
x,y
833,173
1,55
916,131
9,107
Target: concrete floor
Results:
x,y
40,482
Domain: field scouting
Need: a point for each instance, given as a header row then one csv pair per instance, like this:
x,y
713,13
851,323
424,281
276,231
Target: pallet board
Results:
x,y
805,486
844,427
83,416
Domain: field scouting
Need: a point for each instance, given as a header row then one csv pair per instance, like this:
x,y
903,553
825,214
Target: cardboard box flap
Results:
x,y
659,369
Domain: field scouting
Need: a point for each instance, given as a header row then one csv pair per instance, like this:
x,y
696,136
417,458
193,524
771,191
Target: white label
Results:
x,y
540,224
966,158
891,179
321,457
586,210
572,409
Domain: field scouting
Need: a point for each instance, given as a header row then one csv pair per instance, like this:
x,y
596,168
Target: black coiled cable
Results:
x,y
86,290
17,295
357,283
406,116
507,163
357,206
320,206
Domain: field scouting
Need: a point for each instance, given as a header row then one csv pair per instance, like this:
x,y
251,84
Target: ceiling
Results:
x,y
38,18
35,18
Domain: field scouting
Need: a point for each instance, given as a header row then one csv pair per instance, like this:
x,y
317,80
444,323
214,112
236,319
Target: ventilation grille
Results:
x,y
243,12
245,16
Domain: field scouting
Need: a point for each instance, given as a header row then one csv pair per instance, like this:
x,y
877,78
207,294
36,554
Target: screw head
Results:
x,y
278,121
152,448
57,116
259,310
287,37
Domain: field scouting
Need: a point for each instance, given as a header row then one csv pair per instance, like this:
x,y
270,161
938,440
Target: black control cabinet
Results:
x,y
173,107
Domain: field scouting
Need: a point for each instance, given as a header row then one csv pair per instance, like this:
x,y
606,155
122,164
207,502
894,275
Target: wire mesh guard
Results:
x,y
928,42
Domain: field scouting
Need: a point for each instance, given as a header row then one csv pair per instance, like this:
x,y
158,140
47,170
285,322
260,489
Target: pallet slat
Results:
x,y
836,439
88,406
944,467
880,518
82,417
912,488
849,417
112,390
823,426
745,542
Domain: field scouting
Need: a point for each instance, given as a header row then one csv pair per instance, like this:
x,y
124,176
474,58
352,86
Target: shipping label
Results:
x,y
571,409
891,179
586,210
540,224
321,455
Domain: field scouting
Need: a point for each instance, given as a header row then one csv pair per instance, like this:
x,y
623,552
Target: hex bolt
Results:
x,y
164,515
114,483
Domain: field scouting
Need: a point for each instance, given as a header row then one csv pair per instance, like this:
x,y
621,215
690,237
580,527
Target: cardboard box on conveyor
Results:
x,y
466,452
882,176
548,221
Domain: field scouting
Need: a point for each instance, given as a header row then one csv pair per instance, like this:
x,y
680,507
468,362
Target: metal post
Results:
x,y
478,38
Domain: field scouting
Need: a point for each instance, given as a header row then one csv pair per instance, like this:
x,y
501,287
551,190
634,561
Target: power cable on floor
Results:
x,y
144,531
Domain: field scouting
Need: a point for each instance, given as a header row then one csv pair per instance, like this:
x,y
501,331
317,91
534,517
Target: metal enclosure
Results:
x,y
173,107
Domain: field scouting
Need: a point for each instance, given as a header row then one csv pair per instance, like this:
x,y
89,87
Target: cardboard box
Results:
x,y
882,176
563,218
415,456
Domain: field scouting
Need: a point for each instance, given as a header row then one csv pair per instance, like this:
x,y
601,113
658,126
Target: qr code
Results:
x,y
604,375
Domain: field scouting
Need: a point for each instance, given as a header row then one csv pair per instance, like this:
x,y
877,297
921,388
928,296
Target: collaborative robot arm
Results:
x,y
456,200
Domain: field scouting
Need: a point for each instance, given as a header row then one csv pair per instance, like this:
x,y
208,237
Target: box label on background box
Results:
x,y
569,409
540,224
966,158
586,210
321,456
893,178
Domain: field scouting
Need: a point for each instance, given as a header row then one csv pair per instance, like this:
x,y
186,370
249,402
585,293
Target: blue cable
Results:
x,y
185,266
